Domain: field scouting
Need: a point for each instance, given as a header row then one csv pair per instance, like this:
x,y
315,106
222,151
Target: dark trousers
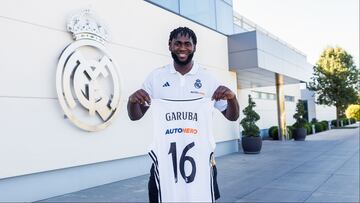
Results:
x,y
153,191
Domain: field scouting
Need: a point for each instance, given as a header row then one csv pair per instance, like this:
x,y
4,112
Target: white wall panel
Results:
x,y
247,59
29,58
135,24
34,135
267,109
225,130
324,112
275,56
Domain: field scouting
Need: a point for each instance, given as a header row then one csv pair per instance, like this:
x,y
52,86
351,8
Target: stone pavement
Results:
x,y
324,168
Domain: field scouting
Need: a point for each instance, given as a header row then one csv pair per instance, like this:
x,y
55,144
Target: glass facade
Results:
x,y
230,2
270,96
202,11
289,98
215,14
224,17
172,5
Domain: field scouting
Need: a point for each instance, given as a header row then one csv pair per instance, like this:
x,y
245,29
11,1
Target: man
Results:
x,y
182,80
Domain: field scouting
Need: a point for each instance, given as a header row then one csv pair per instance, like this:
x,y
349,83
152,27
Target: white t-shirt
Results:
x,y
167,83
182,148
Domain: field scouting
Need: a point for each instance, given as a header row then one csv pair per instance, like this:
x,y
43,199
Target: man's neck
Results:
x,y
183,69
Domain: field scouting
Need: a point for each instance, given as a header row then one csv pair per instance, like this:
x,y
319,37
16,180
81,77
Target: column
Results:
x,y
280,100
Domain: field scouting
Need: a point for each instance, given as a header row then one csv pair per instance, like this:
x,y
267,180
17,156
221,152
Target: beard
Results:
x,y
182,63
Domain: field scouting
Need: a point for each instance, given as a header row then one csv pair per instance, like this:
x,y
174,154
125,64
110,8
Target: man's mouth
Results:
x,y
182,56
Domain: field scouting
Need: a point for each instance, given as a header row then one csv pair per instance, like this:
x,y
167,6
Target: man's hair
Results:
x,y
183,31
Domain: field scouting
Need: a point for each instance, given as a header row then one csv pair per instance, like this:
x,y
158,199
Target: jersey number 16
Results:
x,y
183,158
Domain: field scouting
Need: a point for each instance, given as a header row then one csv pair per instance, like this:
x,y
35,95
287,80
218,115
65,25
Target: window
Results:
x,y
172,5
256,95
271,96
215,14
230,2
224,17
202,11
289,98
263,95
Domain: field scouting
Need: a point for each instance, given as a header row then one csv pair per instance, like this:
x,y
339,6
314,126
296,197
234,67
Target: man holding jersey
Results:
x,y
181,81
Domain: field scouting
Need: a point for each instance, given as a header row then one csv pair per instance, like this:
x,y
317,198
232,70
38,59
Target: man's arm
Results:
x,y
136,105
232,110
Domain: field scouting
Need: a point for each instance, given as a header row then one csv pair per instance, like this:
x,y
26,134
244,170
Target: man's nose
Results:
x,y
182,47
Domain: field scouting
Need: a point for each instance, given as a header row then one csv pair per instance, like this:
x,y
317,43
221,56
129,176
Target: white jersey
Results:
x,y
182,149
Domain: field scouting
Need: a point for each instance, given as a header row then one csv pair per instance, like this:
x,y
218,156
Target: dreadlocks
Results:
x,y
183,31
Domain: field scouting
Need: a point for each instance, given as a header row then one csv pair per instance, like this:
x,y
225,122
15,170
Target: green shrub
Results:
x,y
352,120
318,127
313,121
345,121
308,128
325,125
334,123
272,133
353,111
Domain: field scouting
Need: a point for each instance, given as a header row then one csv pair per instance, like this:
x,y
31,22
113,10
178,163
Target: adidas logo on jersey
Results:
x,y
166,84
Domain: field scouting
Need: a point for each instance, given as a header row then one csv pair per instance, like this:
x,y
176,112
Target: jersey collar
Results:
x,y
193,70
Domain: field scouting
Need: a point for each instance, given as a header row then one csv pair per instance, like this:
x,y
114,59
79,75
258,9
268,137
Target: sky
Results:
x,y
308,25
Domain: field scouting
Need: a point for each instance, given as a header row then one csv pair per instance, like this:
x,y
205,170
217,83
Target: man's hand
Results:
x,y
136,104
224,93
140,97
232,110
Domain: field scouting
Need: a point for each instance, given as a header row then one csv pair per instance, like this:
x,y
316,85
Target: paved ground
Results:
x,y
324,168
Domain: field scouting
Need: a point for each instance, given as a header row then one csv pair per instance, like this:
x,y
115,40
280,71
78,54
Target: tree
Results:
x,y
353,111
248,123
335,80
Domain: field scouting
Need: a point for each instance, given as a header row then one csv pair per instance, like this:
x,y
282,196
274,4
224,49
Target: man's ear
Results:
x,y
169,44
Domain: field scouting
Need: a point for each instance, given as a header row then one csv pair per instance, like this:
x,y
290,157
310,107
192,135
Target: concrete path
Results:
x,y
324,168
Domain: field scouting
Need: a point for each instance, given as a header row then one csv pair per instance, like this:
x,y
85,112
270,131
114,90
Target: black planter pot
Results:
x,y
251,145
299,134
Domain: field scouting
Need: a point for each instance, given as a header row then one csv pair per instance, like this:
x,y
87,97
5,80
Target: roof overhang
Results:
x,y
256,57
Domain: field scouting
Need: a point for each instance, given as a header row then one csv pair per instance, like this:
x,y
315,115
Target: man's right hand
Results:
x,y
136,105
140,97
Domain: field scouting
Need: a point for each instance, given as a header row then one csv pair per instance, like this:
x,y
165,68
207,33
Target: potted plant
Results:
x,y
251,141
299,125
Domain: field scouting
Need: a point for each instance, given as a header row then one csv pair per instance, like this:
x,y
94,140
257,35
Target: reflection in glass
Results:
x,y
202,11
230,2
172,5
224,17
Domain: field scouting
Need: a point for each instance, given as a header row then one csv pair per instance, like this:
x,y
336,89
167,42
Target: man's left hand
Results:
x,y
224,93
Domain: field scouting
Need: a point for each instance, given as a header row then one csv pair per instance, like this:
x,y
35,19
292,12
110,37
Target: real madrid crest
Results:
x,y
197,84
87,80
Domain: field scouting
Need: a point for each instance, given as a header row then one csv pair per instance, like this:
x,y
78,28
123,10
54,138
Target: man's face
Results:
x,y
182,49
